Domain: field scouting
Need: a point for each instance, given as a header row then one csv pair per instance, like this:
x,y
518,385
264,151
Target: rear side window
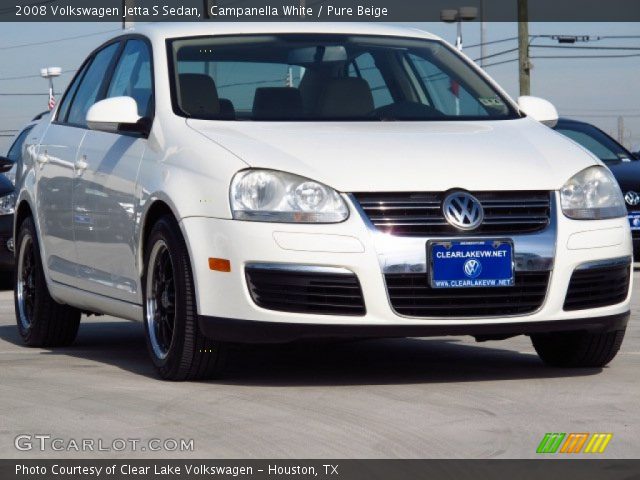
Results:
x,y
89,89
132,77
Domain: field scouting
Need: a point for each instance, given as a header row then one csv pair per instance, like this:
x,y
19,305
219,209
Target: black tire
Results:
x,y
181,352
42,322
578,349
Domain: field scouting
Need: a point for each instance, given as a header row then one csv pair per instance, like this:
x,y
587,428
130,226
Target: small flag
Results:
x,y
52,100
454,87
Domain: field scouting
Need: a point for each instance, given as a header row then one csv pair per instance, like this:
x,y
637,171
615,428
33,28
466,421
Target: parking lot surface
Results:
x,y
401,398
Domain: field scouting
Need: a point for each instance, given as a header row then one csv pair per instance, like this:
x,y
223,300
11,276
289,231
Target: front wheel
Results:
x,y
578,349
42,322
177,347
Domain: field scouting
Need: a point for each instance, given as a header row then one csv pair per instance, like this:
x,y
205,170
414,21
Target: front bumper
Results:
x,y
250,331
7,258
225,303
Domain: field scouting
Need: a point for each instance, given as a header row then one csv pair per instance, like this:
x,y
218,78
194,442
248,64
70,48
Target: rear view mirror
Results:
x,y
319,54
114,115
539,109
6,164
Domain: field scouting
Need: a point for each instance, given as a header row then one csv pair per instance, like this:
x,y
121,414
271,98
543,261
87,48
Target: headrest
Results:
x,y
275,103
227,110
345,98
199,95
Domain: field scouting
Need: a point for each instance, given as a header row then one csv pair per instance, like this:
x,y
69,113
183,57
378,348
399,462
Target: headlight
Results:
x,y
11,174
272,196
592,194
8,204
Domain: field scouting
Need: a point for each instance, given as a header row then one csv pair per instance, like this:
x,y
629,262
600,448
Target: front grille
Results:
x,y
420,214
411,295
306,292
598,287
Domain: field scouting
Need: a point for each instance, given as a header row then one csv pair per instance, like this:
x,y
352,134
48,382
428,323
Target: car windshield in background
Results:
x,y
597,142
328,78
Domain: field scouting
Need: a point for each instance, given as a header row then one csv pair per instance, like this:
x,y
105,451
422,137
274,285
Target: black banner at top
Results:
x,y
318,10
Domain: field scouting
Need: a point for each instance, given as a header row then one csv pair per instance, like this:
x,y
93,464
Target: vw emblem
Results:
x,y
632,198
472,268
463,211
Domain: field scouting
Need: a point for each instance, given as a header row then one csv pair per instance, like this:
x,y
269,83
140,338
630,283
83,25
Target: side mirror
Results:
x,y
539,109
6,164
115,114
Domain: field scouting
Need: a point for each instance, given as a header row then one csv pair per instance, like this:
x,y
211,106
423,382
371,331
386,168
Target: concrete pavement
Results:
x,y
409,398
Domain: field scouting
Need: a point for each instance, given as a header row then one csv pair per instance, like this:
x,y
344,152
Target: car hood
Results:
x,y
407,156
627,174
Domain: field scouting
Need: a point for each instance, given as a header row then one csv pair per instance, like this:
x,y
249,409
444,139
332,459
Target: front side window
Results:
x,y
89,88
132,76
328,78
63,110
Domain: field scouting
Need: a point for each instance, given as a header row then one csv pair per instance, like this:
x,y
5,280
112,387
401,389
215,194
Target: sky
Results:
x,y
597,90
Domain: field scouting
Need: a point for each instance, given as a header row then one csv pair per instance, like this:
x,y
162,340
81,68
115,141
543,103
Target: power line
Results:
x,y
548,57
510,50
492,42
23,94
497,54
579,47
500,63
55,40
596,38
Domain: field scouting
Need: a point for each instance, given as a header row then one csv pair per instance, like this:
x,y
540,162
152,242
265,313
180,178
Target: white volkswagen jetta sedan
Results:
x,y
266,183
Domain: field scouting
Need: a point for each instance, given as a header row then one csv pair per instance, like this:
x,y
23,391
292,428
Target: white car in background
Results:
x,y
272,182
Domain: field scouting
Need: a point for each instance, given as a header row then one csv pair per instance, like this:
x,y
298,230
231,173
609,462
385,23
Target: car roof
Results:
x,y
567,121
160,31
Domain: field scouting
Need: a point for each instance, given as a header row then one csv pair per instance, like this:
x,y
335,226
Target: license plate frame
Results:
x,y
634,216
480,280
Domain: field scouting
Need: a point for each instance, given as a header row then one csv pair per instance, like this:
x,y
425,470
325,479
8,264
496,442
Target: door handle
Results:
x,y
81,165
42,158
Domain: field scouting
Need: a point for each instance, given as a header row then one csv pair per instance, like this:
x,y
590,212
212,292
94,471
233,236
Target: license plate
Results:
x,y
634,220
469,264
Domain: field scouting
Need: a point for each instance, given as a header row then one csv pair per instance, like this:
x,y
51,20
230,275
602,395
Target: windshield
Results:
x,y
597,142
327,78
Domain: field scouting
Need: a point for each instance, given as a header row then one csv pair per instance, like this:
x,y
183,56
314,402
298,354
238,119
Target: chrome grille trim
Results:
x,y
413,214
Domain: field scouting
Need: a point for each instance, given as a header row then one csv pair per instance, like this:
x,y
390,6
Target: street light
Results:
x,y
459,15
50,73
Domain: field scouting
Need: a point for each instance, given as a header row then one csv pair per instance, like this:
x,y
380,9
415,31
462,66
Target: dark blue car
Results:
x,y
624,165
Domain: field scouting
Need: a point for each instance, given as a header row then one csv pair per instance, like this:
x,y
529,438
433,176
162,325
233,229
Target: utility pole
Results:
x,y
523,47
